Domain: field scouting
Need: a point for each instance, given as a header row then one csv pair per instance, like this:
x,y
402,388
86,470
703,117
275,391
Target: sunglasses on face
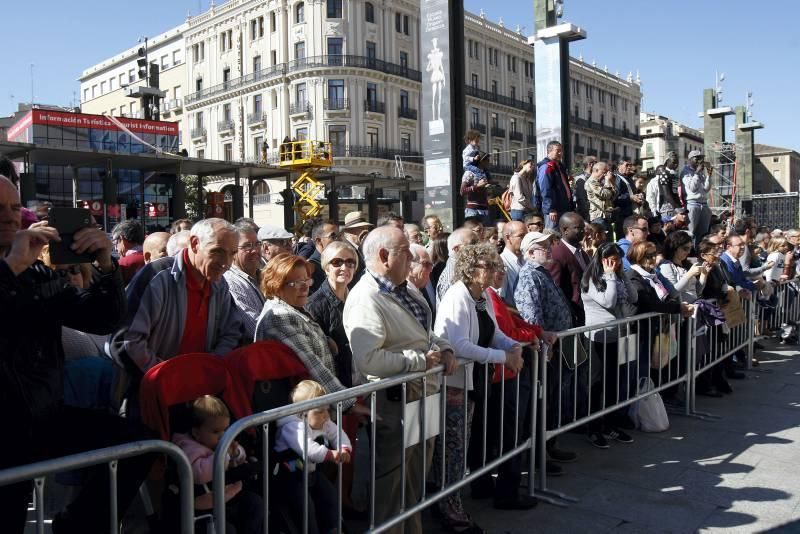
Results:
x,y
300,283
338,262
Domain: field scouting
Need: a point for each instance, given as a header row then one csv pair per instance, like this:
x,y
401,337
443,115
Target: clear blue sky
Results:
x,y
676,45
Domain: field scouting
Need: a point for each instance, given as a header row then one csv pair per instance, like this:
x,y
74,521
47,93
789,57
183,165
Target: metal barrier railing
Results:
x,y
416,432
600,363
781,308
111,455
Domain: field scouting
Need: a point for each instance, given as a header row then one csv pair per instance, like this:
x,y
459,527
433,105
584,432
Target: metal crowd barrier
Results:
x,y
782,308
111,455
413,426
597,373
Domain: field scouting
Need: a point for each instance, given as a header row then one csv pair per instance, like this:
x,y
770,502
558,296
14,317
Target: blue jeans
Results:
x,y
483,214
517,215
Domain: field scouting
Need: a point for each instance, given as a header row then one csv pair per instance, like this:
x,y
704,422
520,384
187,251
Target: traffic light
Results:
x,y
142,62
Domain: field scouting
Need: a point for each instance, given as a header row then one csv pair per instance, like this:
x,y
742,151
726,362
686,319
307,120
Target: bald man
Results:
x,y
155,246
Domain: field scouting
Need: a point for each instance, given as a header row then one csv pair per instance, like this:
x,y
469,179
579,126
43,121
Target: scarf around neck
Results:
x,y
655,283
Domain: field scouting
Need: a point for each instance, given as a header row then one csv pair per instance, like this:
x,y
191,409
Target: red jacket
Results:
x,y
512,325
130,265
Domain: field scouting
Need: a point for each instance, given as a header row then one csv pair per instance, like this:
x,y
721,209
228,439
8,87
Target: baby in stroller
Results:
x,y
210,418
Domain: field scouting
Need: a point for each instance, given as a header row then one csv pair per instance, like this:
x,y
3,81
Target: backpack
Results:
x,y
505,199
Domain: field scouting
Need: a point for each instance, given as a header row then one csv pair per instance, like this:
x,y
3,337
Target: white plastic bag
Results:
x,y
649,413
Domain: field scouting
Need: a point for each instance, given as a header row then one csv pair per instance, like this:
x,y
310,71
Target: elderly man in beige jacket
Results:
x,y
389,328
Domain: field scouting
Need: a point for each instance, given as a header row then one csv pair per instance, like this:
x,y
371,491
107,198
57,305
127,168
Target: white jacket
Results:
x,y
290,436
457,320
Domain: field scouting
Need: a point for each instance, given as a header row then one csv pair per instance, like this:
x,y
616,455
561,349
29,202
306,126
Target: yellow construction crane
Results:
x,y
306,157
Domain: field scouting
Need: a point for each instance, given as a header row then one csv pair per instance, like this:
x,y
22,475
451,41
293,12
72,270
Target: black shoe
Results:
x,y
710,392
561,456
521,502
735,375
618,435
598,440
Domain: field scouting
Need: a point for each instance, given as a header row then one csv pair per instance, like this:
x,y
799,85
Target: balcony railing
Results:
x,y
374,106
198,133
336,104
366,151
498,132
530,139
407,113
500,99
225,125
585,123
362,62
261,199
236,83
257,118
615,157
478,127
605,155
592,152
296,108
515,136
580,149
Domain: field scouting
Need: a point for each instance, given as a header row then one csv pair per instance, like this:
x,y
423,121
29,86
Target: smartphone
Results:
x,y
68,221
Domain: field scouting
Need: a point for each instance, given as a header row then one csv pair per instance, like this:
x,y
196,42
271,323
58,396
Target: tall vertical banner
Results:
x,y
436,117
549,94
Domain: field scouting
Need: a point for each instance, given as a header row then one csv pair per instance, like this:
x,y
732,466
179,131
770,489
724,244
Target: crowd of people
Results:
x,y
360,302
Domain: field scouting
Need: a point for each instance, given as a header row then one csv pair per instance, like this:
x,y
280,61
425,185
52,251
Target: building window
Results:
x,y
122,79
257,107
226,112
405,142
253,29
776,159
469,43
372,50
227,40
589,115
496,157
369,12
602,119
164,61
301,134
490,55
300,96
102,88
372,138
577,141
227,151
198,120
226,75
404,59
495,121
273,57
405,25
300,50
475,81
122,110
132,76
512,92
201,153
475,117
577,112
337,137
531,128
494,87
86,94
260,187
335,46
273,22
198,84
398,22
257,141
404,100
336,93
257,64
512,125
514,160
625,151
299,13
372,93
334,9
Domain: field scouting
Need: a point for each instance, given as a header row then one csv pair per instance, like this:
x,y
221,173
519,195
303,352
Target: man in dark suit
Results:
x,y
570,261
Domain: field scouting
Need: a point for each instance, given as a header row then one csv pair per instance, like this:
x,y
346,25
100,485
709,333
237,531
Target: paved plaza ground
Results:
x,y
739,473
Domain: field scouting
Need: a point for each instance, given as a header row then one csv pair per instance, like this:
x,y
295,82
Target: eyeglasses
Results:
x,y
338,262
72,269
426,264
249,247
297,284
